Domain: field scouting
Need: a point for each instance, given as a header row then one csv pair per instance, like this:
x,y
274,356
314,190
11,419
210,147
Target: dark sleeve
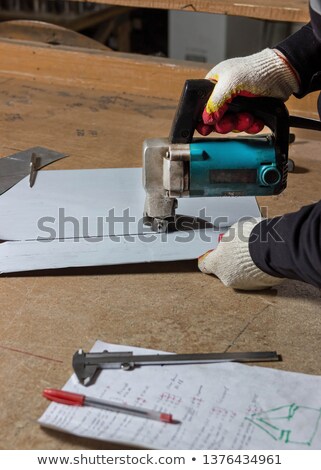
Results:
x,y
303,50
290,246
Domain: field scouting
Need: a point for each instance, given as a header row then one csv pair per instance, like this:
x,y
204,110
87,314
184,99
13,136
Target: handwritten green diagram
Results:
x,y
292,424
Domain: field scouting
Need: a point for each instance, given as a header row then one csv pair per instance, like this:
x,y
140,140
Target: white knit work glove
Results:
x,y
266,73
231,262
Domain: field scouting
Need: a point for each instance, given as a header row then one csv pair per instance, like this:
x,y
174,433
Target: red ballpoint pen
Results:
x,y
75,399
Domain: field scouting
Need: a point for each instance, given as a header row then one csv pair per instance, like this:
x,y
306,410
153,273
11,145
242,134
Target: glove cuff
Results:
x,y
252,277
282,75
232,263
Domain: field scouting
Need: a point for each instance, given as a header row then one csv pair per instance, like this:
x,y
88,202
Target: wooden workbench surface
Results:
x,y
278,10
101,122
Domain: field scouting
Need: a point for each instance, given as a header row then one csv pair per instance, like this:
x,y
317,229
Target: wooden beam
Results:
x,y
277,10
38,31
76,22
113,71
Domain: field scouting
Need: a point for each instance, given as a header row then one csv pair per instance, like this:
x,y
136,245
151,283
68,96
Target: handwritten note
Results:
x,y
219,406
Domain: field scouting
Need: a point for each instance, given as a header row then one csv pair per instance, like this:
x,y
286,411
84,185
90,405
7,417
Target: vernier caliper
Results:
x,y
86,365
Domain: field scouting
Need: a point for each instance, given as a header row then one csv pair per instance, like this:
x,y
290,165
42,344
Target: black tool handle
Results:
x,y
189,111
305,123
195,95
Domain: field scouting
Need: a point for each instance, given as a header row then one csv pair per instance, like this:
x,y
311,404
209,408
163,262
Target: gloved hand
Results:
x,y
231,262
266,73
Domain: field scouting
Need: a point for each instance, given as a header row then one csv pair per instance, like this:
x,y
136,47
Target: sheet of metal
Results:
x,y
17,166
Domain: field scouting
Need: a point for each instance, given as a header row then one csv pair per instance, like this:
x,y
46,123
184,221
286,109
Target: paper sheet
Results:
x,y
220,406
75,218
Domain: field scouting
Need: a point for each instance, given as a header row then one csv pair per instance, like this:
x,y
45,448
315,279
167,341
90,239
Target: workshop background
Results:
x,y
201,37
73,99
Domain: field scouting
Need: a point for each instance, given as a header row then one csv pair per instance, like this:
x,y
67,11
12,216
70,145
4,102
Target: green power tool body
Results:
x,y
182,166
